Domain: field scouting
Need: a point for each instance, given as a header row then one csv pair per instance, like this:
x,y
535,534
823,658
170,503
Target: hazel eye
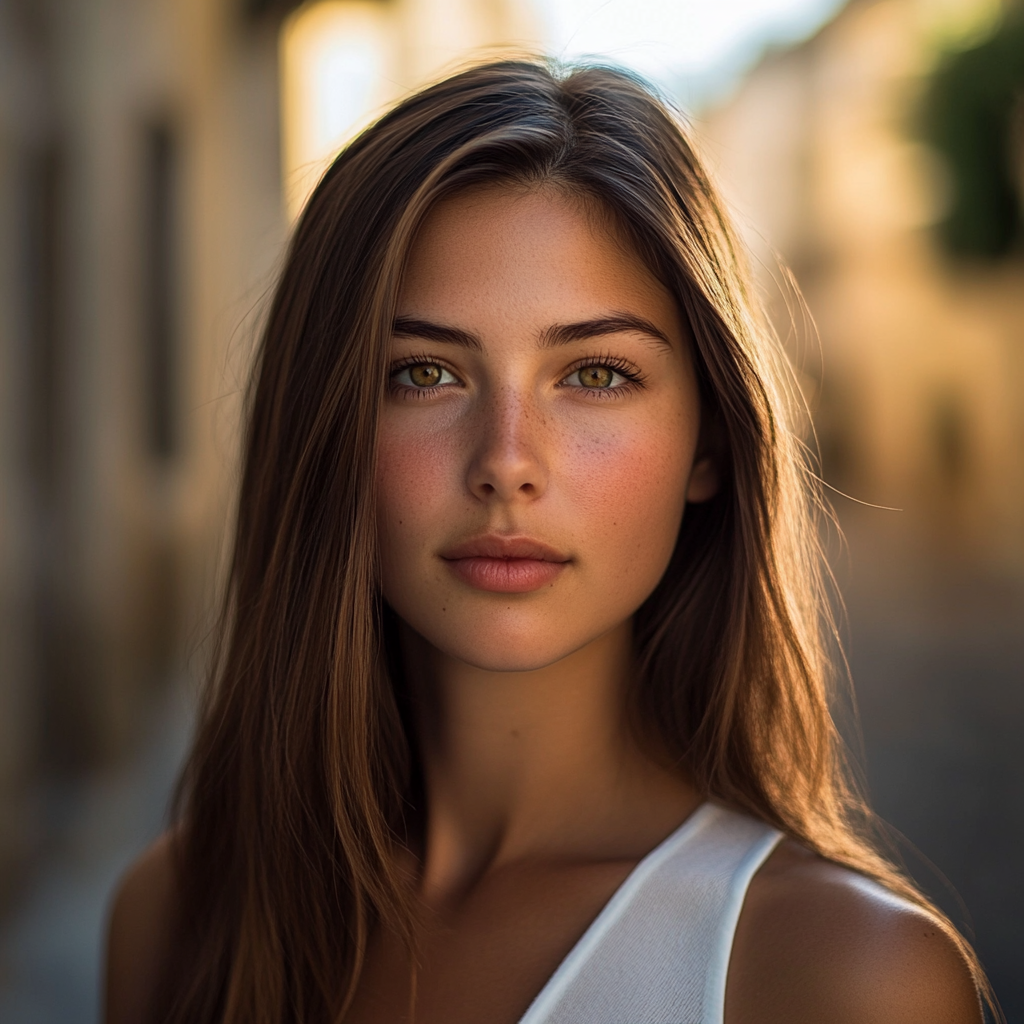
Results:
x,y
424,375
595,376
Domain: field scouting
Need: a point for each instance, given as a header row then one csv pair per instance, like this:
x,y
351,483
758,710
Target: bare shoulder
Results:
x,y
819,942
138,934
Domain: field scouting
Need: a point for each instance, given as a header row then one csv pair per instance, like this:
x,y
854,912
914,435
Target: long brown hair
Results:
x,y
301,782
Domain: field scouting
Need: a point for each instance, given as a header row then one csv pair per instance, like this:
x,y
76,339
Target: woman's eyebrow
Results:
x,y
411,327
551,337
564,334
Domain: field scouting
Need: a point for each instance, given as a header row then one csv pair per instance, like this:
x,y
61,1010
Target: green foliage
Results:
x,y
968,117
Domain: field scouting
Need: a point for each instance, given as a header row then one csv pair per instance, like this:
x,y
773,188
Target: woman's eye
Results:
x,y
596,377
424,375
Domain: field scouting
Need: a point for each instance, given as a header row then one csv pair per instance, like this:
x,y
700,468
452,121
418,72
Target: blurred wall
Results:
x,y
917,389
912,360
140,216
344,62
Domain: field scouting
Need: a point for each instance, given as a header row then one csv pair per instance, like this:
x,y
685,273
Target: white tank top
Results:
x,y
658,952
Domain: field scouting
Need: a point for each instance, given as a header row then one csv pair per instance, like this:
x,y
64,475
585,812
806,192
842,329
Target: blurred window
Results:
x,y
161,290
43,238
336,76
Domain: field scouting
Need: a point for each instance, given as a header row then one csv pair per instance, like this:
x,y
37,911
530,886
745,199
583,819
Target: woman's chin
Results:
x,y
500,654
506,647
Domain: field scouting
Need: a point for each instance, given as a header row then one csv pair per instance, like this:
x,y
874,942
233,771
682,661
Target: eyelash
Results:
x,y
417,360
633,377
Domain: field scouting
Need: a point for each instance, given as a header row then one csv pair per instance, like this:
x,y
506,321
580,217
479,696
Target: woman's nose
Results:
x,y
509,457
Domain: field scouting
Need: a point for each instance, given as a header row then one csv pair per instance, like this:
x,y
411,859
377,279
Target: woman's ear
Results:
x,y
704,480
710,456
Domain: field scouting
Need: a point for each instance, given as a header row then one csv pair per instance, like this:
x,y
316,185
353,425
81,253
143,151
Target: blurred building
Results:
x,y
141,204
917,387
142,216
344,62
883,161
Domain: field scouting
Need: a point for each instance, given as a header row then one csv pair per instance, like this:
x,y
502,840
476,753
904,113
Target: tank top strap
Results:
x,y
658,953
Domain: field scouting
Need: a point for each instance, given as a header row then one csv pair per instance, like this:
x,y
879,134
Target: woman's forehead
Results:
x,y
538,253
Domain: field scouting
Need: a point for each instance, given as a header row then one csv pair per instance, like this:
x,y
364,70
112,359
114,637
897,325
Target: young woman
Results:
x,y
520,712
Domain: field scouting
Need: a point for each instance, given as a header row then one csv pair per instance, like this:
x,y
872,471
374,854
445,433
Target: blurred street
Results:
x,y
938,665
51,944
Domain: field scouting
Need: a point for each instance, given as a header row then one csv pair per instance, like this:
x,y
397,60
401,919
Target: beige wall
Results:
x,y
401,46
105,546
919,402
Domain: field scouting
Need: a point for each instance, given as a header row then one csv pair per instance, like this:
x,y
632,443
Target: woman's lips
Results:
x,y
505,575
505,565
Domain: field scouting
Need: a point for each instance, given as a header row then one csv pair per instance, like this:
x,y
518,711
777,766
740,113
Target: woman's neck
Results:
x,y
519,765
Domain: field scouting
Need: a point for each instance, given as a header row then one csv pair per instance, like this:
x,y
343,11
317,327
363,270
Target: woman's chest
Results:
x,y
488,957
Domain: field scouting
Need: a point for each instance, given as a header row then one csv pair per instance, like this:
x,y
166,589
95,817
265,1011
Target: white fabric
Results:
x,y
658,952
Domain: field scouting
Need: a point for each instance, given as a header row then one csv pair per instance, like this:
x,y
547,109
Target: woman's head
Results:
x,y
467,276
578,198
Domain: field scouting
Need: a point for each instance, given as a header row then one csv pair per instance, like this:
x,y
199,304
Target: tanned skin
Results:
x,y
540,801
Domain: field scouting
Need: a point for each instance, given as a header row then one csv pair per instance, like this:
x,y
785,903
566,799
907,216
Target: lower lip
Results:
x,y
505,575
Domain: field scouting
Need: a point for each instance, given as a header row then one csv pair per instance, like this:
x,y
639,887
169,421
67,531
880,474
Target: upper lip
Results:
x,y
494,546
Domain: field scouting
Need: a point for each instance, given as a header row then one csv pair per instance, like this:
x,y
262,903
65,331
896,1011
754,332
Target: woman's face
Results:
x,y
537,441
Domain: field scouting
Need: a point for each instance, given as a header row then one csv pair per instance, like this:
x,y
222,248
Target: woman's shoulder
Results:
x,y
817,941
138,933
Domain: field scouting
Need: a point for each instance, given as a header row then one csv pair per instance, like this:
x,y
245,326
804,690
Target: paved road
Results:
x,y
50,946
937,654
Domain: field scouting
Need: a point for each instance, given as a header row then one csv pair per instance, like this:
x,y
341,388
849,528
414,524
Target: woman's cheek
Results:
x,y
631,482
413,476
